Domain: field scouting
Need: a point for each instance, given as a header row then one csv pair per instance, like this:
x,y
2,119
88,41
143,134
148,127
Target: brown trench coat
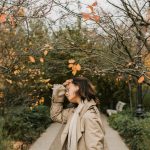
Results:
x,y
90,130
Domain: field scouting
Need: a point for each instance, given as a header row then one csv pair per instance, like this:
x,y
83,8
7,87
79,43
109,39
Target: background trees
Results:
x,y
47,42
33,40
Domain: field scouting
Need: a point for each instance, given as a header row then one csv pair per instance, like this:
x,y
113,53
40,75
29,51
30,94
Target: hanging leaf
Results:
x,y
141,80
46,80
42,60
94,4
32,59
45,52
3,18
71,61
86,16
96,18
21,12
74,68
91,8
70,65
16,72
41,101
9,81
74,72
78,67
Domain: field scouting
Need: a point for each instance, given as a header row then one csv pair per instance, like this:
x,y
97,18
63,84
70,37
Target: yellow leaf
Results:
x,y
71,61
74,72
44,80
32,59
42,60
41,100
74,68
9,81
16,72
78,67
45,52
94,4
91,8
3,18
70,65
141,80
1,94
21,12
36,104
86,16
96,18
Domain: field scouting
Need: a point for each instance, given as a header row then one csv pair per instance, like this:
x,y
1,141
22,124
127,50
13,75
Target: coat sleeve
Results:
x,y
58,114
94,133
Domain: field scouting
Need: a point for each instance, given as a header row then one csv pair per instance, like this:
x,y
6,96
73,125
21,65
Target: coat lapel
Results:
x,y
80,126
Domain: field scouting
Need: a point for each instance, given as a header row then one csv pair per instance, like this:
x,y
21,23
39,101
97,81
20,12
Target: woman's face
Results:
x,y
71,92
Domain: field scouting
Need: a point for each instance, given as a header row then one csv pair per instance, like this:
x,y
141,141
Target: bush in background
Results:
x,y
26,124
136,132
4,140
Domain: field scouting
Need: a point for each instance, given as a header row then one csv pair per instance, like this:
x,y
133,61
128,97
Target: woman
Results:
x,y
84,129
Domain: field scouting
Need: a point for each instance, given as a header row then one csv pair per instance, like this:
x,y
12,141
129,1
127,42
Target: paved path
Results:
x,y
114,141
46,139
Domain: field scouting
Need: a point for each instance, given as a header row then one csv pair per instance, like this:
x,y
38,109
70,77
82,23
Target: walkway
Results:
x,y
114,141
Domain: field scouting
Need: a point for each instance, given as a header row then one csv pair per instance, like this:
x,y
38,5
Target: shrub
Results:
x,y
26,124
136,132
4,140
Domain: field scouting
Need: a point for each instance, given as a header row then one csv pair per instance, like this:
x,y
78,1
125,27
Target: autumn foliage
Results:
x,y
74,66
92,15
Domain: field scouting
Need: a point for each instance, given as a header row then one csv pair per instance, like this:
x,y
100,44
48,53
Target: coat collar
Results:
x,y
80,127
87,105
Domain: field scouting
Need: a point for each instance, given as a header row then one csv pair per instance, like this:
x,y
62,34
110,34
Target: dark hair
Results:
x,y
86,88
